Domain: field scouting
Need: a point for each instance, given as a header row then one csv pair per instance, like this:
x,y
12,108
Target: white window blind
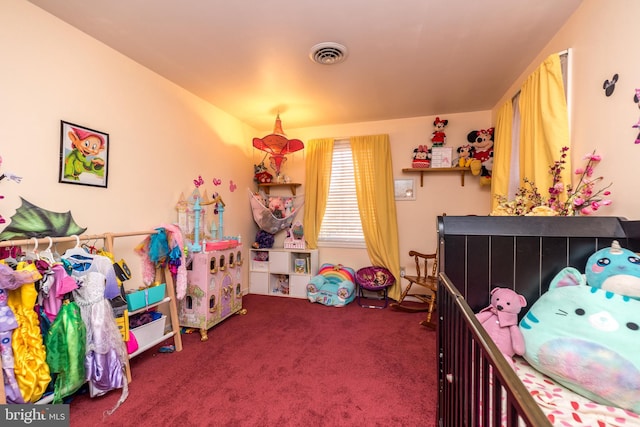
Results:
x,y
341,226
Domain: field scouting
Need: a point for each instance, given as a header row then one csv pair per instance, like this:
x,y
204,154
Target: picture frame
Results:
x,y
84,155
404,189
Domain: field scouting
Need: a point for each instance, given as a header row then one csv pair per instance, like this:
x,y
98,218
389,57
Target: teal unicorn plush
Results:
x,y
613,269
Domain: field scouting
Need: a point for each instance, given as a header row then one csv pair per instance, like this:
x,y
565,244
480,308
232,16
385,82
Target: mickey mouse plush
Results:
x,y
465,155
482,143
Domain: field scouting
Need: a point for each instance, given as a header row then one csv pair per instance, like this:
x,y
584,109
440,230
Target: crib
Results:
x,y
522,253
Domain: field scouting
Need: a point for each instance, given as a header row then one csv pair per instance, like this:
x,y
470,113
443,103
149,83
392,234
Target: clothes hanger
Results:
x,y
77,258
46,254
33,254
56,255
76,250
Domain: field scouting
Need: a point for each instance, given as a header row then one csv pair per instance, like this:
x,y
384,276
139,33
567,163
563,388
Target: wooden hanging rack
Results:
x,y
108,243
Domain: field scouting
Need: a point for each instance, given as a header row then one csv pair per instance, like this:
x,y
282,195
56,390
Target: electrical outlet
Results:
x,y
402,271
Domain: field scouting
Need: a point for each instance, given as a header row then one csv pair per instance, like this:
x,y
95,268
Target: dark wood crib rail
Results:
x,y
478,253
472,370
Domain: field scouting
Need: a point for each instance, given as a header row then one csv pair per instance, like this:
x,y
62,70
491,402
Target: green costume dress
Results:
x,y
66,345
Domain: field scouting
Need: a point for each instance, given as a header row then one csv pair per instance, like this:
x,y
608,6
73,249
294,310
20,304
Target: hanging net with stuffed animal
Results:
x,y
274,213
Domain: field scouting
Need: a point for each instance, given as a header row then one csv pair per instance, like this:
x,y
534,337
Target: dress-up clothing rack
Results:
x,y
108,239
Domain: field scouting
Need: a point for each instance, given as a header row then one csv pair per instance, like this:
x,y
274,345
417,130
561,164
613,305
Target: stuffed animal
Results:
x,y
421,157
438,137
276,206
612,269
288,206
500,320
465,155
482,163
587,339
260,174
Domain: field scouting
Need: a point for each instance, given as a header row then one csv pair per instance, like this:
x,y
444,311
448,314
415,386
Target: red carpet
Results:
x,y
287,362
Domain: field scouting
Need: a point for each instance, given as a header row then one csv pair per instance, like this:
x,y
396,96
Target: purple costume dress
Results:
x,y
106,353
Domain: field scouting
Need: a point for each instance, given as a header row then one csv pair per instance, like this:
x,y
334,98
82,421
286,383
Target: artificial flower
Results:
x,y
563,200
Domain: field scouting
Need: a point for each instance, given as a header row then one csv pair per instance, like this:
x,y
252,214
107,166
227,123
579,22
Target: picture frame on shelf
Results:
x,y
84,155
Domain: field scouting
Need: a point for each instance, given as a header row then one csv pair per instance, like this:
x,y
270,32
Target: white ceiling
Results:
x,y
406,58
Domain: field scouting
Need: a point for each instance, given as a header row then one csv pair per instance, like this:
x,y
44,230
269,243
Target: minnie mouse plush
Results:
x,y
438,137
421,157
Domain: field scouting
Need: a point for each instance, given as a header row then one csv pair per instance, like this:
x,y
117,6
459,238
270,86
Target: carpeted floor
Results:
x,y
287,362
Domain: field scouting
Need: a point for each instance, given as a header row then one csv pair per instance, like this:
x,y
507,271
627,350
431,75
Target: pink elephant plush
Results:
x,y
500,320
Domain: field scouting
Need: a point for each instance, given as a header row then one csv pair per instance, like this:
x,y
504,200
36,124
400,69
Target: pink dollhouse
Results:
x,y
214,290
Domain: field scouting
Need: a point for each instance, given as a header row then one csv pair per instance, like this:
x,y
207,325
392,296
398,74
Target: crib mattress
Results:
x,y
563,407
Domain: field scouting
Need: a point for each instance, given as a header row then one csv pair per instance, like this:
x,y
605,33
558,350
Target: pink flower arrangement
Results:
x,y
583,199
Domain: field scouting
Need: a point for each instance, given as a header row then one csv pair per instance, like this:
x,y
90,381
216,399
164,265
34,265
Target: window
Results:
x,y
341,225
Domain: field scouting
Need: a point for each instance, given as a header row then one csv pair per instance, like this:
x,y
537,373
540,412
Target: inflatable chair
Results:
x,y
334,285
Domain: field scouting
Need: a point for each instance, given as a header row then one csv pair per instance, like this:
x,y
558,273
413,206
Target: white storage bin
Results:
x,y
279,262
150,332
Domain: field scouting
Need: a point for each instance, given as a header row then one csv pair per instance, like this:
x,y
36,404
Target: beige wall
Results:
x,y
603,38
161,137
442,192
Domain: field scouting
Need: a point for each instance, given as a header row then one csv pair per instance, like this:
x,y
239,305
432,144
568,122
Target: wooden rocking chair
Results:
x,y
427,277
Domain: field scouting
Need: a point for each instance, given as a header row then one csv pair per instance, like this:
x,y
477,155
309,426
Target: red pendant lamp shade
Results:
x,y
277,145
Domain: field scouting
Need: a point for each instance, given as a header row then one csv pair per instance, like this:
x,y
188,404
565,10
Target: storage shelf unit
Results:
x,y
282,272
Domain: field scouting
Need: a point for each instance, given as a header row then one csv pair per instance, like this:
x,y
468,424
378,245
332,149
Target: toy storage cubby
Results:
x,y
282,272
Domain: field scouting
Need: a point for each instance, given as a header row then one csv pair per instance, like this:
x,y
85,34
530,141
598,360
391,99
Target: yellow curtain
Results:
x,y
318,158
544,125
376,202
501,153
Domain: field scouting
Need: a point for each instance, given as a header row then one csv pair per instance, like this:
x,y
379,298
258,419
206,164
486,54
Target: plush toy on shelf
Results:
x,y
465,156
261,175
482,163
500,320
438,137
421,157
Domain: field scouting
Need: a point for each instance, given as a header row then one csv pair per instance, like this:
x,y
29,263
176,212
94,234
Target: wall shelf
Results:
x,y
428,170
291,185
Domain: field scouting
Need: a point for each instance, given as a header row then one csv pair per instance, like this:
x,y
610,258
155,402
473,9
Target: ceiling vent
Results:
x,y
328,53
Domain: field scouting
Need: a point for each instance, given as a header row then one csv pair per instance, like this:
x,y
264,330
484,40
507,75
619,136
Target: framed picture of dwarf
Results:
x,y
84,155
